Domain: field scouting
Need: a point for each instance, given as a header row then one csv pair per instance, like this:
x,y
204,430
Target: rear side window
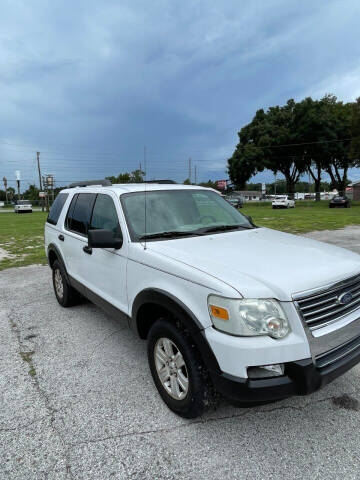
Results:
x,y
105,216
56,208
79,213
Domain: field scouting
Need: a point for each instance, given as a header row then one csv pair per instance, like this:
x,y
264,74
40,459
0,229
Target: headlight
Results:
x,y
248,317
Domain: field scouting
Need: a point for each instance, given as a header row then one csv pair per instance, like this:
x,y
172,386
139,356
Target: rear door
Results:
x,y
76,226
104,269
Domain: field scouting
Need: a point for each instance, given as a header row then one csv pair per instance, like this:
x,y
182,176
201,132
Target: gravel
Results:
x,y
78,402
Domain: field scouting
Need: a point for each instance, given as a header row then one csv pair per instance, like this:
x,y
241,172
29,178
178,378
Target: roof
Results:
x,y
121,188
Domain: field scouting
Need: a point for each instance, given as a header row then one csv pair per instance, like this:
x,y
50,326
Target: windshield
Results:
x,y
179,212
23,202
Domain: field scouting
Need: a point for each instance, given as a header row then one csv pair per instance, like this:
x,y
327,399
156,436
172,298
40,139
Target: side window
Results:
x,y
56,208
105,215
79,213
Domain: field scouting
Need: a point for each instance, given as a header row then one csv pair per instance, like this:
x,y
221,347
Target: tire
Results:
x,y
65,294
197,394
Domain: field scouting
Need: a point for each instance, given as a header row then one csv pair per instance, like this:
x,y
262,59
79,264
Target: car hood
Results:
x,y
263,263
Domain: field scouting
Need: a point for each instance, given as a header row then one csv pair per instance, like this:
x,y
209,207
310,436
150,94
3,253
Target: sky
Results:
x,y
90,84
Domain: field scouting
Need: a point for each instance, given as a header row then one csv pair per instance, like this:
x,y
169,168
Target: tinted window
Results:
x,y
78,217
56,208
105,215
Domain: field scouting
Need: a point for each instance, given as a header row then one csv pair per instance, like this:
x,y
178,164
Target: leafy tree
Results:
x,y
137,176
337,160
355,132
269,141
187,182
11,193
32,193
209,184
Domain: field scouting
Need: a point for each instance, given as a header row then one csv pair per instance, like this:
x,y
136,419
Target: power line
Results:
x,y
300,144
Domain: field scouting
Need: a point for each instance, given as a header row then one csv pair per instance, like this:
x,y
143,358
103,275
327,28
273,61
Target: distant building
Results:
x,y
248,195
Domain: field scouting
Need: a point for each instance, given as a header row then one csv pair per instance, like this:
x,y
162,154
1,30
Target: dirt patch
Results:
x,y
346,402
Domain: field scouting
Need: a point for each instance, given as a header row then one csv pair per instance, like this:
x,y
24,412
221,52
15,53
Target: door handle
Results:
x,y
87,249
61,237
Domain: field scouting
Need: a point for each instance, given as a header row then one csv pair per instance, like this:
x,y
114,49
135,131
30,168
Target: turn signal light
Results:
x,y
219,312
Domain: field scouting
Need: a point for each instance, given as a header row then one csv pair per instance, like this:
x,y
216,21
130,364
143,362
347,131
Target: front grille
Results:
x,y
326,359
322,307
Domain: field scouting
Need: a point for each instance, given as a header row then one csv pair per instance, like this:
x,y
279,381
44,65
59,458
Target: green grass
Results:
x,y
22,236
305,217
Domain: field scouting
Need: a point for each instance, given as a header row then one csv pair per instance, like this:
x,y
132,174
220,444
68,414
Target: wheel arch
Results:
x,y
53,253
151,304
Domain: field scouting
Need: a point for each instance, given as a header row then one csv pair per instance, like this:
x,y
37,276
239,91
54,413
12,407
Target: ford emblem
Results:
x,y
345,298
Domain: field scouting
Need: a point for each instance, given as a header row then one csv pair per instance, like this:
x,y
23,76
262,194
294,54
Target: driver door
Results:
x,y
104,269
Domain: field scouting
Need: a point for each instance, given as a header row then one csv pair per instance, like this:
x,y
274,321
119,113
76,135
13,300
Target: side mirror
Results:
x,y
103,239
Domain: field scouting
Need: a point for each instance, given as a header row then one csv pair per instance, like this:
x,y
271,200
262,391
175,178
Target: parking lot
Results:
x,y
78,402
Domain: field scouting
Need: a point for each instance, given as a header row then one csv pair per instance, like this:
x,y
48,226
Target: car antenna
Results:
x,y
145,197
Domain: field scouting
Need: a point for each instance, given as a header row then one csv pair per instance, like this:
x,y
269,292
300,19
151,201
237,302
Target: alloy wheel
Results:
x,y
171,368
58,282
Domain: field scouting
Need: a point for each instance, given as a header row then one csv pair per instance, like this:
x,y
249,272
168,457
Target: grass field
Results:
x,y
305,217
22,236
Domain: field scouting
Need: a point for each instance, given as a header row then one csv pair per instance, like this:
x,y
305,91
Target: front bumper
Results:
x,y
301,378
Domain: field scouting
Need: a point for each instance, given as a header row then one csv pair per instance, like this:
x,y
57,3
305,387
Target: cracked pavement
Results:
x,y
78,402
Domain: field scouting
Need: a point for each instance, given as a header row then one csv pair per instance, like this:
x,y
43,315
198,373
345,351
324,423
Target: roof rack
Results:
x,y
85,183
160,181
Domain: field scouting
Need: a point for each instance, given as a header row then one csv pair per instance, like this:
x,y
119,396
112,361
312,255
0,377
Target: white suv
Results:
x,y
22,206
252,313
283,201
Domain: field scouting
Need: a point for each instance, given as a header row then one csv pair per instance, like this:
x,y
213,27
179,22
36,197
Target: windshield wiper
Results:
x,y
168,234
224,228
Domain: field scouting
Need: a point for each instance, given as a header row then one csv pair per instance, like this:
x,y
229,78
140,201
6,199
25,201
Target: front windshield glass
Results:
x,y
179,212
23,202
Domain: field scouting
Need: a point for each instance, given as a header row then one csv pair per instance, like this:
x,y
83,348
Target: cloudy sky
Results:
x,y
89,84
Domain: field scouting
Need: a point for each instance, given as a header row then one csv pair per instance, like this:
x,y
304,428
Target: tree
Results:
x,y
355,132
11,193
337,159
137,176
209,184
32,193
269,141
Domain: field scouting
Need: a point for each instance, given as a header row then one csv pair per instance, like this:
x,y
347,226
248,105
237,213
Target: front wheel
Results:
x,y
65,294
178,371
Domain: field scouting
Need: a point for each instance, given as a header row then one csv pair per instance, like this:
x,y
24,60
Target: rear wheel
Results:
x,y
178,371
65,294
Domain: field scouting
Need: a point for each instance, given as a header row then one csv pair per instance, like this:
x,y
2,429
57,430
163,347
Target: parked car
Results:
x,y
339,201
215,296
235,201
283,201
23,206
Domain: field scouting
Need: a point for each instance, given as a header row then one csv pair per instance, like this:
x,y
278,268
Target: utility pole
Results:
x,y
190,169
40,183
195,174
5,185
275,185
17,175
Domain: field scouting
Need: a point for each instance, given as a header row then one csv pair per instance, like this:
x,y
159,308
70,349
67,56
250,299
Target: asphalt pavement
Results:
x,y
78,402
